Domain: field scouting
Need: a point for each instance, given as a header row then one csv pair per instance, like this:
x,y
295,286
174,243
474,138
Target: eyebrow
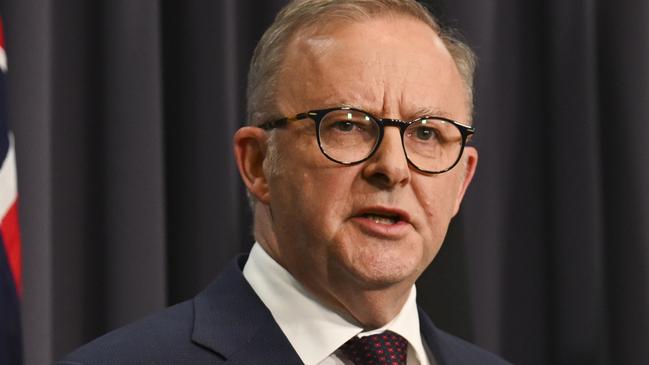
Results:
x,y
432,112
421,112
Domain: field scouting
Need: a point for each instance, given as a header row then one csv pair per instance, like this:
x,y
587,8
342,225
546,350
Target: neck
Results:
x,y
369,307
375,309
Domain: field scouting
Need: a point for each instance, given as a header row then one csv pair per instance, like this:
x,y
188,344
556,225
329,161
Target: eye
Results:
x,y
425,133
348,126
344,126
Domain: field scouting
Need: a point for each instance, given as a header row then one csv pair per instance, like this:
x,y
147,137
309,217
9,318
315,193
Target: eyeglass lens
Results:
x,y
349,136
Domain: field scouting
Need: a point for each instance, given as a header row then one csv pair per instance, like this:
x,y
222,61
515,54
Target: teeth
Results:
x,y
381,219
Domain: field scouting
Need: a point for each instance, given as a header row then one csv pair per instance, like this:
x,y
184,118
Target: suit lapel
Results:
x,y
233,322
429,332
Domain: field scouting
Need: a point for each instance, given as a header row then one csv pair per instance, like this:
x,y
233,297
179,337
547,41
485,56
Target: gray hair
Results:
x,y
269,54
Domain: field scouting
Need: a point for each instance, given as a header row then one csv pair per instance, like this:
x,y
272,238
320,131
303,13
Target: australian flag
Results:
x,y
10,260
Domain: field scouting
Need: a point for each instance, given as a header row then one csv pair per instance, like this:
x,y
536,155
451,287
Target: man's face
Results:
x,y
325,216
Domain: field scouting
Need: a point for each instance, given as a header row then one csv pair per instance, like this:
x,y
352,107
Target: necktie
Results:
x,y
386,348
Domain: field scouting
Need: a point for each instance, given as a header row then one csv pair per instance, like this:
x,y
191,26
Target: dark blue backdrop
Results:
x,y
124,111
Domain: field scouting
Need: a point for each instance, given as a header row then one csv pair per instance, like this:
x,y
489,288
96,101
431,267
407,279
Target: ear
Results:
x,y
470,156
250,152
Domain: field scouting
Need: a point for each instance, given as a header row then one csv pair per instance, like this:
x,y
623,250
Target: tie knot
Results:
x,y
386,348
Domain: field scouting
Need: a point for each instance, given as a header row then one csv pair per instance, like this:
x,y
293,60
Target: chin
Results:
x,y
381,270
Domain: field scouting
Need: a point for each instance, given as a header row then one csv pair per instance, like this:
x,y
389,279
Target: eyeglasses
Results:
x,y
349,136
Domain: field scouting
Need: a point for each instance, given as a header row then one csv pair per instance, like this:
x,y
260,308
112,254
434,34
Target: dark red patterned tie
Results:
x,y
387,348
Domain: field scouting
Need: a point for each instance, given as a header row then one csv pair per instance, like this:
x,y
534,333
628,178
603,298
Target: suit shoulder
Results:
x,y
464,352
161,338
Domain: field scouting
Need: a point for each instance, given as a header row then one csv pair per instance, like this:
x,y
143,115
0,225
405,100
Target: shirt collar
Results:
x,y
315,331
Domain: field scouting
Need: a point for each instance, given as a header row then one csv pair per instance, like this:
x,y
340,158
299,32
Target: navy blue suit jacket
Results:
x,y
228,324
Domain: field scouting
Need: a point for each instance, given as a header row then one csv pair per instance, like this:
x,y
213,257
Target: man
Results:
x,y
355,162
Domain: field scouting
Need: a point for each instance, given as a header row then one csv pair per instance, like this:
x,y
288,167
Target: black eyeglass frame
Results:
x,y
318,114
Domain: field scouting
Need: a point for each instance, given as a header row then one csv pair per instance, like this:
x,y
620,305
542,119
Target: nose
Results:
x,y
388,167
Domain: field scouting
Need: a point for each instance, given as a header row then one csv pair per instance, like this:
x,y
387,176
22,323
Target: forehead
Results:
x,y
393,66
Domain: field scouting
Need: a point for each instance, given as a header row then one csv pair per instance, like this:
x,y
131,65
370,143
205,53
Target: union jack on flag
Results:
x,y
10,260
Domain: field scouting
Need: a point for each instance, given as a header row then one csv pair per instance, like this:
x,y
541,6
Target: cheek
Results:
x,y
325,198
309,173
437,206
437,199
309,194
437,218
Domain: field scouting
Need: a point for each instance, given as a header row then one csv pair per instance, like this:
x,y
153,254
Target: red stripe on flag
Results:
x,y
2,34
11,238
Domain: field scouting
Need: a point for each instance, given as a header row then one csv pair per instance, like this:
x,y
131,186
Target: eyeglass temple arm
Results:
x,y
278,123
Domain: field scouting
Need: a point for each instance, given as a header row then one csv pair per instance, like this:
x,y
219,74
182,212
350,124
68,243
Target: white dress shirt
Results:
x,y
314,331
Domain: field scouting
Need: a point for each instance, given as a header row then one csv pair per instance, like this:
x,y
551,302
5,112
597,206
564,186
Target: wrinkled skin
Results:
x,y
309,210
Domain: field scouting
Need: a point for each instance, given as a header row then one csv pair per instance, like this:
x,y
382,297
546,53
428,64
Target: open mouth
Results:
x,y
383,222
382,218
